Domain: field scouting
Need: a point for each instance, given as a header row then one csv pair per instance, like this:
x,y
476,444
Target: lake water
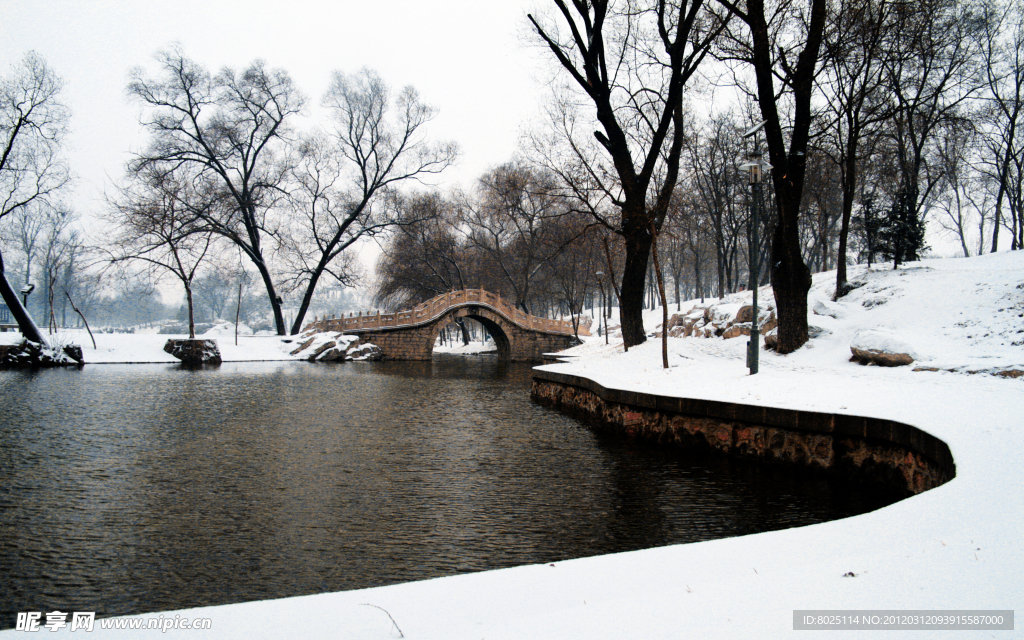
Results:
x,y
138,488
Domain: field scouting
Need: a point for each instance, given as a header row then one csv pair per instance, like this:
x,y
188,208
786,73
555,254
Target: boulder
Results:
x,y
829,309
692,321
722,314
194,352
305,345
23,354
330,344
74,352
880,348
675,320
737,330
365,352
324,346
1010,373
745,314
334,353
29,355
846,288
814,331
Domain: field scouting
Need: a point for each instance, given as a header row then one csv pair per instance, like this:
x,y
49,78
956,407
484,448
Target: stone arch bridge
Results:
x,y
412,334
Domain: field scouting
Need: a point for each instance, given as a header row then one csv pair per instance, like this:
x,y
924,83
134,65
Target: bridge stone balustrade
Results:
x,y
412,334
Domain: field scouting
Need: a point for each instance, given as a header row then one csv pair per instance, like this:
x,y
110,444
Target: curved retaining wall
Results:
x,y
872,450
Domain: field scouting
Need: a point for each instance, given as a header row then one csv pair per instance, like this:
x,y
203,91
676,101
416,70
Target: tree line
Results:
x,y
876,116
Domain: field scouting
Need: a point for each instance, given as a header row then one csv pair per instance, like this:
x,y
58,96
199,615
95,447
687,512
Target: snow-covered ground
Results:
x,y
471,349
142,347
147,346
956,547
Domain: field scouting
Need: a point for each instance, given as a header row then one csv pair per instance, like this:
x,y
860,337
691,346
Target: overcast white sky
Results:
x,y
466,57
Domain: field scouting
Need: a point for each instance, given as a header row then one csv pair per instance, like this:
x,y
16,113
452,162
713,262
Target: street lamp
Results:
x,y
755,168
600,281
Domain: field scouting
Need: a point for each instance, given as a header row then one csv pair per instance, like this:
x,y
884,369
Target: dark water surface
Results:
x,y
139,488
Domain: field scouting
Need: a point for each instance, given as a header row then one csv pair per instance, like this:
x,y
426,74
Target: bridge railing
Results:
x,y
433,308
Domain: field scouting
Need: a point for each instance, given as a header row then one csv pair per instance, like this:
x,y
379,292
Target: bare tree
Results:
x,y
822,211
782,42
855,103
632,60
161,224
933,71
571,272
1004,85
60,249
230,132
517,224
345,183
954,205
719,187
24,229
426,258
33,123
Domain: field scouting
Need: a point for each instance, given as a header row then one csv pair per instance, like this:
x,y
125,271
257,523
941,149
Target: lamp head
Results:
x,y
756,167
757,127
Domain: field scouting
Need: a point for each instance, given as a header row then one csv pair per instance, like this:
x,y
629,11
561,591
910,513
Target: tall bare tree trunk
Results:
x,y
21,315
664,302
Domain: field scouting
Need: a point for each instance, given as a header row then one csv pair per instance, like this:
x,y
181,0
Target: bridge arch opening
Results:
x,y
498,333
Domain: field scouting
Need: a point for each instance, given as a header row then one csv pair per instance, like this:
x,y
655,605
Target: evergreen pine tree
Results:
x,y
901,232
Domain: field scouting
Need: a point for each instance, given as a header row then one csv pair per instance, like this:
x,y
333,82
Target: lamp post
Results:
x,y
600,282
755,168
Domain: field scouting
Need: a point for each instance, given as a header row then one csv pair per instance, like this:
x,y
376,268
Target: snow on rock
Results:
x,y
27,354
727,318
722,315
323,346
585,323
871,346
194,351
332,347
368,352
228,329
817,331
830,309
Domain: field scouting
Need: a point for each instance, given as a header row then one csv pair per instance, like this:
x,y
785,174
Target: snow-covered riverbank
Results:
x,y
148,347
952,548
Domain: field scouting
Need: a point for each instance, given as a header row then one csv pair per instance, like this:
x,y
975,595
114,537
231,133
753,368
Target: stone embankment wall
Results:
x,y
871,450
